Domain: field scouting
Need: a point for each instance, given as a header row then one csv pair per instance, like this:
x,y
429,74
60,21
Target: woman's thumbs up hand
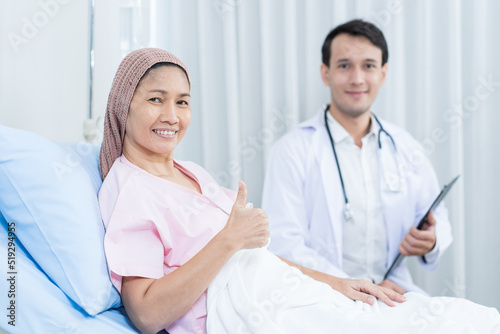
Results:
x,y
246,227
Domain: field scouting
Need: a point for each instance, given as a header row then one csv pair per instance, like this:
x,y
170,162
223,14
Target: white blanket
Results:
x,y
256,292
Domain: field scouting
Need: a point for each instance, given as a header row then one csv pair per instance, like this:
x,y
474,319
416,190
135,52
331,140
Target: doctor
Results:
x,y
345,190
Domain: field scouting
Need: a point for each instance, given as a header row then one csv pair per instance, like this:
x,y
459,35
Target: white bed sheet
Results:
x,y
256,292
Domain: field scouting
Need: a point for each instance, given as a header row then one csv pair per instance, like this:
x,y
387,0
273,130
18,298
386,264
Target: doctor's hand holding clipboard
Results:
x,y
418,242
421,239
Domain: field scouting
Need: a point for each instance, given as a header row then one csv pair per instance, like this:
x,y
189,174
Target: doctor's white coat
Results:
x,y
303,199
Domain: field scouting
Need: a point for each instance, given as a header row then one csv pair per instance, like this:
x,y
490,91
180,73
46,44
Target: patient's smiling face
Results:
x,y
159,114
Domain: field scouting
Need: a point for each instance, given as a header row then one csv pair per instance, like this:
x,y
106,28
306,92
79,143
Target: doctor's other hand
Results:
x,y
391,286
420,242
246,227
366,291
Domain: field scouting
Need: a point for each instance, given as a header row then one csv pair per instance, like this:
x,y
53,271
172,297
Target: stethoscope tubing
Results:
x,y
347,209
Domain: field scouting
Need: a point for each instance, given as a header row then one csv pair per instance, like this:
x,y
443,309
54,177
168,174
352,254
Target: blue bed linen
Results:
x,y
41,307
50,191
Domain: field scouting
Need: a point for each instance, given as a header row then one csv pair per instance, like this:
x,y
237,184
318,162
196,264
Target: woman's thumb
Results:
x,y
241,197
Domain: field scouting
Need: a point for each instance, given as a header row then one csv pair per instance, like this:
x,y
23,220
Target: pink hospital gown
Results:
x,y
154,226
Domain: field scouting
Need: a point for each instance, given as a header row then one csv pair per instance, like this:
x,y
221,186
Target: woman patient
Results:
x,y
179,246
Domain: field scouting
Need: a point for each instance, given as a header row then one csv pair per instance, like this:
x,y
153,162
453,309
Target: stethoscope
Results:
x,y
348,213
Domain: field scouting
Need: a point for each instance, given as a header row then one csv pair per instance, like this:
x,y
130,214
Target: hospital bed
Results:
x,y
53,254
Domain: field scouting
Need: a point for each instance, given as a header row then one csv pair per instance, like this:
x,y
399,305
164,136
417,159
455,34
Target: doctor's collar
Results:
x,y
339,133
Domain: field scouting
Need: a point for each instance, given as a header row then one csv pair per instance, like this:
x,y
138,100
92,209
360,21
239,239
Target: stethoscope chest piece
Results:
x,y
348,213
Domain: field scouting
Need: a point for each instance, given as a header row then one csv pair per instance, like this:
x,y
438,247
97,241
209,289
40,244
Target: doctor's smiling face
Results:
x,y
159,114
355,73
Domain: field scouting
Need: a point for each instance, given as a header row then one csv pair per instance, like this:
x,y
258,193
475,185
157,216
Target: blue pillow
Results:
x,y
38,306
49,191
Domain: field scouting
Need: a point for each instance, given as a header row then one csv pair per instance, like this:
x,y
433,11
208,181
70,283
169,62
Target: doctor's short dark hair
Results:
x,y
356,28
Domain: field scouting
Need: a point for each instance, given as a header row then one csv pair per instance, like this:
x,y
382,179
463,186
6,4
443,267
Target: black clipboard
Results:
x,y
434,205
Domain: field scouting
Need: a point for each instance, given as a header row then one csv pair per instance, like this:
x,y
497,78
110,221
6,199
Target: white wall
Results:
x,y
44,66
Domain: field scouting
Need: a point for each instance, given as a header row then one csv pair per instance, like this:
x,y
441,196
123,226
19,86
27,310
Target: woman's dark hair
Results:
x,y
356,28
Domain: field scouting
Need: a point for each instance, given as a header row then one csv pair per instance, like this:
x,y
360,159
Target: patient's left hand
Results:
x,y
364,290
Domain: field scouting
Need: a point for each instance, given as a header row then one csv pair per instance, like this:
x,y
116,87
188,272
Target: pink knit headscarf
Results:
x,y
129,73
